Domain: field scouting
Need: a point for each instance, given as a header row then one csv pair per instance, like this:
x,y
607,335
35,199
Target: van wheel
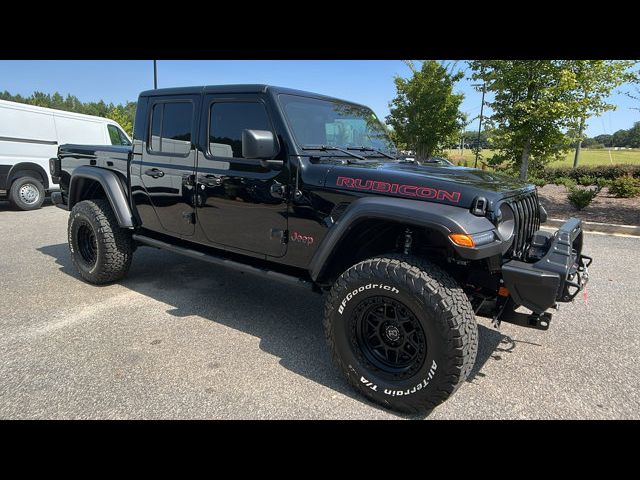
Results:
x,y
402,331
100,249
26,193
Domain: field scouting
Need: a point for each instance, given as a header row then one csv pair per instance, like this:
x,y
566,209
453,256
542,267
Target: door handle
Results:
x,y
154,172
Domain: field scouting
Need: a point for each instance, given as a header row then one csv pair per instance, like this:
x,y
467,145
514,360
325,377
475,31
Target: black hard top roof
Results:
x,y
238,88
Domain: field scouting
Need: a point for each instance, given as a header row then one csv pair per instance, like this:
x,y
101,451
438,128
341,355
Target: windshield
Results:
x,y
332,123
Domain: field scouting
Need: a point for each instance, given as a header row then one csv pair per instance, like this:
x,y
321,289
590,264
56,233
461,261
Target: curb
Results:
x,y
599,227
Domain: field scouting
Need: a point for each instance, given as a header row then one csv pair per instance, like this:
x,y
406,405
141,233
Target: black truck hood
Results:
x,y
433,183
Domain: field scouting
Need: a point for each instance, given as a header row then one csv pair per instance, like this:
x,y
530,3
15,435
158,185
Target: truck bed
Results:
x,y
113,157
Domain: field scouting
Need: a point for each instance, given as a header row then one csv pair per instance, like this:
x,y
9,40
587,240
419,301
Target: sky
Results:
x,y
369,82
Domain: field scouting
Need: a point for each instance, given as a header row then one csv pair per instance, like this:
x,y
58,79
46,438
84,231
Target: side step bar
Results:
x,y
224,262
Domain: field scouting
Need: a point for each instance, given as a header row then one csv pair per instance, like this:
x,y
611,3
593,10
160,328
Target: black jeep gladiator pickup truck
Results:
x,y
307,189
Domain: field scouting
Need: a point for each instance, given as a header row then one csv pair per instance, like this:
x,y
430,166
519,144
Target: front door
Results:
x,y
241,202
168,162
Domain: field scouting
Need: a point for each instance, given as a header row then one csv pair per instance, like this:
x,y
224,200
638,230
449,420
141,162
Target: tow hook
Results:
x,y
507,313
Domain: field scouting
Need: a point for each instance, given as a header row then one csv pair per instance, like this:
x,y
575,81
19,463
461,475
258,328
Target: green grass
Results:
x,y
587,157
600,157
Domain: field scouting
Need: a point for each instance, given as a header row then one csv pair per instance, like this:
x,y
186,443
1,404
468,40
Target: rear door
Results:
x,y
168,163
241,202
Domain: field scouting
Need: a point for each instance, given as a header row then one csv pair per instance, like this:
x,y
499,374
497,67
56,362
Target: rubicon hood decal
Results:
x,y
405,190
456,186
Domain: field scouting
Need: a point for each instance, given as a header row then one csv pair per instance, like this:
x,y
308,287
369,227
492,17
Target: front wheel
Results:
x,y
402,331
100,249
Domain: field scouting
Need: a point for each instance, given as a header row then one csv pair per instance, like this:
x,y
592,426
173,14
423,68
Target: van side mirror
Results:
x,y
258,144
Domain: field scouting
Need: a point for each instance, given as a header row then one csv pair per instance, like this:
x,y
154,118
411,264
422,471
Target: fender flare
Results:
x,y
112,186
440,217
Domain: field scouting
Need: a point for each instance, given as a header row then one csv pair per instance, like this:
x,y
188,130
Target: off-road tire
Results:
x,y
442,310
108,258
26,193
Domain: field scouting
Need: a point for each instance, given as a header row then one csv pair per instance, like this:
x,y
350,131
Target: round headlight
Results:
x,y
506,222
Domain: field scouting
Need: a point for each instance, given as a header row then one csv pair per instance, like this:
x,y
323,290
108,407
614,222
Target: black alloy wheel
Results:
x,y
87,244
389,336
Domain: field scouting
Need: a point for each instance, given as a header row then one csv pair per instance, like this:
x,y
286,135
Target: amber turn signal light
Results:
x,y
462,239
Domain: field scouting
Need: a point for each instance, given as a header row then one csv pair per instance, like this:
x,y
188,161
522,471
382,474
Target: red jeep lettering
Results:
x,y
381,187
426,192
401,189
345,182
450,196
408,190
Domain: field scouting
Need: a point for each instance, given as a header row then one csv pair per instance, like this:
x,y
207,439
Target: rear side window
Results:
x,y
227,120
171,127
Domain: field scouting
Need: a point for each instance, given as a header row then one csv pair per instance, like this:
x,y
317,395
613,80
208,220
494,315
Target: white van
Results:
x,y
29,137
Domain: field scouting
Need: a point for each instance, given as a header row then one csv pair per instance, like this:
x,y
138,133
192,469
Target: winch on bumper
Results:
x,y
556,271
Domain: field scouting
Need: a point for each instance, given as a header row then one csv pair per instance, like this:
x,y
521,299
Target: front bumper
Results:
x,y
558,276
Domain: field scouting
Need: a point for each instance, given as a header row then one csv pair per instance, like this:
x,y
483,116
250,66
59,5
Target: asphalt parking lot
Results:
x,y
182,339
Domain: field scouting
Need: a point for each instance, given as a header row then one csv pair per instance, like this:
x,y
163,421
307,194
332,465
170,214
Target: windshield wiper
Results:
x,y
369,149
331,147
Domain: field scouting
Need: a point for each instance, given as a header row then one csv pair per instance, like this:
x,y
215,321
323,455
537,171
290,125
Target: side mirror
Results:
x,y
258,144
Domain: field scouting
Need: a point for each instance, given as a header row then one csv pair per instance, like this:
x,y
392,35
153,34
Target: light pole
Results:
x,y
155,74
484,88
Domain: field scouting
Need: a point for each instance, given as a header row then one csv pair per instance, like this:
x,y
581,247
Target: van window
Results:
x,y
171,127
123,138
227,121
117,136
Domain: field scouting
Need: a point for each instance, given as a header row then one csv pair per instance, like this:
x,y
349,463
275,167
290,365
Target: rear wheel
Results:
x,y
26,193
402,331
100,249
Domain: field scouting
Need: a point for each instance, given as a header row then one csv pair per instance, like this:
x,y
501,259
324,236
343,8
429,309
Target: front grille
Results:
x,y
527,221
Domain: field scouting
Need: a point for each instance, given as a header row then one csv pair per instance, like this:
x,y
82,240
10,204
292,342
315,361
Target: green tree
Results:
x,y
594,82
634,93
604,139
425,114
533,106
120,115
471,138
634,135
40,99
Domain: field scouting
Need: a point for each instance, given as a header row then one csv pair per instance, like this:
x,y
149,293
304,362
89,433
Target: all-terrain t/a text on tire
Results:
x,y
402,331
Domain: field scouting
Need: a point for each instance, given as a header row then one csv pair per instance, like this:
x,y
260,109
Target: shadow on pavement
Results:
x,y
492,345
286,319
6,206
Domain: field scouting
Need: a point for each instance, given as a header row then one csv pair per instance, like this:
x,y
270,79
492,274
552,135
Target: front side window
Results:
x,y
117,136
171,127
325,122
123,138
227,120
113,135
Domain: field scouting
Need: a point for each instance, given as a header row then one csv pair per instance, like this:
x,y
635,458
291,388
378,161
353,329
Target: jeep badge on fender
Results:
x,y
308,189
